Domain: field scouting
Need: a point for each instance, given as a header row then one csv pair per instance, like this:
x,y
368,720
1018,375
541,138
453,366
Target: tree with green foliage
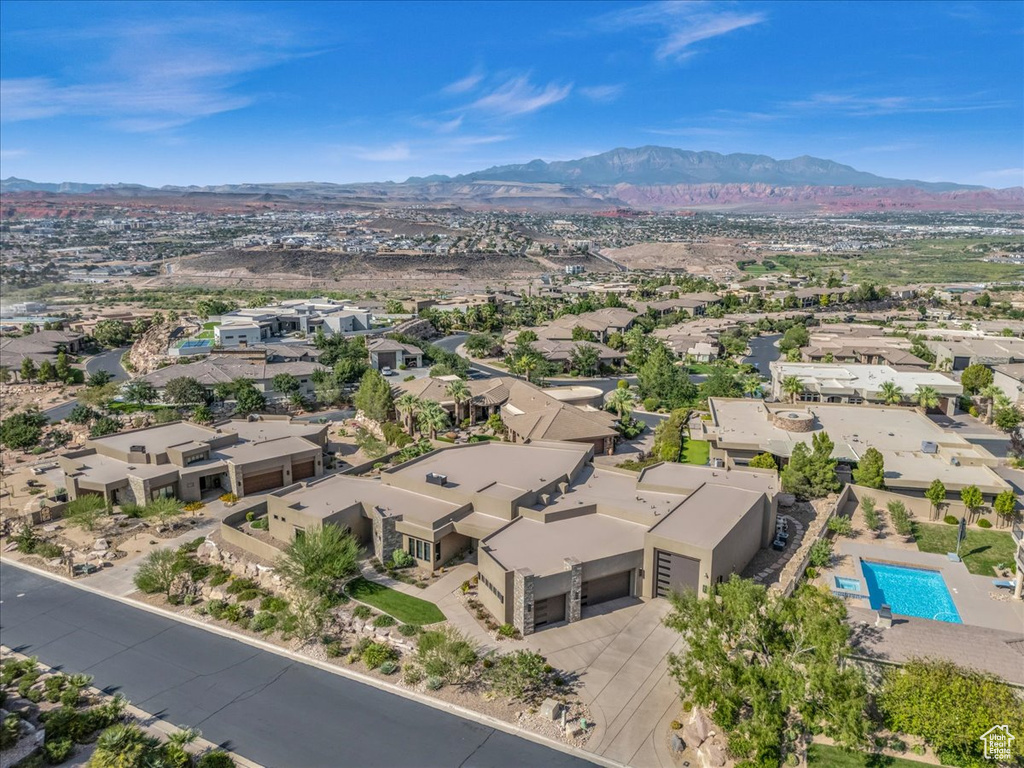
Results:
x,y
206,308
900,517
482,345
764,461
769,669
185,390
126,746
926,398
28,369
811,472
248,399
448,654
99,378
285,384
432,418
86,511
668,436
579,333
936,494
1007,419
891,393
585,359
460,393
374,397
111,333
62,368
157,571
870,470
138,392
408,407
659,377
720,382
621,402
22,429
972,499
202,414
316,560
1005,506
793,387
795,337
521,675
975,378
950,707
46,372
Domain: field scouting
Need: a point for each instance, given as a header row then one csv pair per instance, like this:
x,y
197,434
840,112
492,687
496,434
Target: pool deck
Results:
x,y
977,601
990,639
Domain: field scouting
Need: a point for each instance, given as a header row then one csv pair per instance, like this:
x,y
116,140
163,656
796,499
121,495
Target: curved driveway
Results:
x,y
266,707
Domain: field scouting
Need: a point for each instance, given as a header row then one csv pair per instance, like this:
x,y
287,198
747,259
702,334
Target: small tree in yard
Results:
x,y
85,512
448,654
285,384
840,526
872,519
900,518
309,613
164,509
248,399
950,708
972,499
185,390
157,571
769,668
975,378
519,675
870,471
315,561
821,553
104,425
936,494
373,397
138,392
23,429
1005,506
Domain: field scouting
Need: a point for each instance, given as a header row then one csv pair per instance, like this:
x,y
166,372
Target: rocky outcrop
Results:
x,y
150,350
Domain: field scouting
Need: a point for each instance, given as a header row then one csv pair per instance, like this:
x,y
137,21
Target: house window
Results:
x,y
421,549
197,457
493,589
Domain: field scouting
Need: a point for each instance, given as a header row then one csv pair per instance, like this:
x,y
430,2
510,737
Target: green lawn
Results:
x,y
406,608
696,452
980,551
824,756
209,327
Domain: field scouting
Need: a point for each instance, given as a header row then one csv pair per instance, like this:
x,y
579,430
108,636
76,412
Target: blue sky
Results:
x,y
206,93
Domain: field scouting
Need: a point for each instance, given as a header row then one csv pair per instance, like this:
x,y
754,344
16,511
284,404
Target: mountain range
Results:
x,y
655,178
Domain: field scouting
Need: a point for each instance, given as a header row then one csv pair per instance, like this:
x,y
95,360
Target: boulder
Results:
x,y
551,709
218,593
183,586
704,727
786,499
691,736
678,745
713,754
101,545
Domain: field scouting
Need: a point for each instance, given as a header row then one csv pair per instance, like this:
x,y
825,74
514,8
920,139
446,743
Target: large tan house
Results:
x,y
554,534
188,461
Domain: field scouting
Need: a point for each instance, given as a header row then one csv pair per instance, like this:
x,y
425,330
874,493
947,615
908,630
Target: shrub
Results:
x,y
273,604
519,675
508,630
384,621
249,594
951,519
918,749
215,759
402,559
216,608
263,622
411,674
983,523
821,553
48,550
675,725
434,683
56,751
446,653
408,630
841,526
377,653
220,576
157,571
362,612
811,572
389,667
193,506
651,403
241,585
229,498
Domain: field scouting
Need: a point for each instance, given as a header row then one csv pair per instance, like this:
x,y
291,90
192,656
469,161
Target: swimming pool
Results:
x,y
847,584
193,343
910,591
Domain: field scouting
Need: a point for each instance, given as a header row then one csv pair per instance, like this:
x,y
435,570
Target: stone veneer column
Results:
x,y
385,538
522,600
137,490
573,609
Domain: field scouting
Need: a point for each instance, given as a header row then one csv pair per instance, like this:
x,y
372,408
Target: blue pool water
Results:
x,y
192,343
847,584
910,591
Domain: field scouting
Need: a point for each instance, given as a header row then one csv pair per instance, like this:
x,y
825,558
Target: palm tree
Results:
x,y
752,386
408,405
432,418
926,397
990,394
892,394
184,736
459,392
793,387
621,401
526,365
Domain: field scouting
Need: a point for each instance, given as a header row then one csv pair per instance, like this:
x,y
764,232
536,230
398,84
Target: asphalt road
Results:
x,y
266,707
109,361
763,351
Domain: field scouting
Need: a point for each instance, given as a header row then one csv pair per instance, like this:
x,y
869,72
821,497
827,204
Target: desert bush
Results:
x,y
377,653
389,667
508,630
362,612
411,674
435,683
983,523
951,520
408,630
384,621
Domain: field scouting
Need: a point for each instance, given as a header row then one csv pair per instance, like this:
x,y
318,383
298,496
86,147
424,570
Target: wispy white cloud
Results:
x,y
518,96
858,105
602,94
13,154
1014,176
465,84
681,23
386,154
153,76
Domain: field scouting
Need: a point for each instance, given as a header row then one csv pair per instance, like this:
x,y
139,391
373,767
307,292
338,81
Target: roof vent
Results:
x,y
137,449
927,446
955,461
437,479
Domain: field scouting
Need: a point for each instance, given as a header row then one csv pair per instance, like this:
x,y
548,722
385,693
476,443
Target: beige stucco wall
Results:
x,y
500,578
738,547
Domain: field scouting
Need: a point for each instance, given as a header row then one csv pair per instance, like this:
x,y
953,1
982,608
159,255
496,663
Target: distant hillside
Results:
x,y
647,166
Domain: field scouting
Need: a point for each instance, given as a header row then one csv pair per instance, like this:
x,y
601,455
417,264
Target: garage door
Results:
x,y
549,611
387,359
675,573
606,588
303,469
263,481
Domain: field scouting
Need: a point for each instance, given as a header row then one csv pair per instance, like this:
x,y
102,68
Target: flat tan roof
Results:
x,y
323,498
543,547
245,453
707,515
157,439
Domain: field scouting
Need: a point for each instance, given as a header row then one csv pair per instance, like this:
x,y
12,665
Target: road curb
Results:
x,y
463,712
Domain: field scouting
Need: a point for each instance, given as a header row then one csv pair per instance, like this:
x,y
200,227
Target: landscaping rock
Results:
x,y
101,545
678,745
703,725
691,736
218,593
551,709
713,754
786,499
